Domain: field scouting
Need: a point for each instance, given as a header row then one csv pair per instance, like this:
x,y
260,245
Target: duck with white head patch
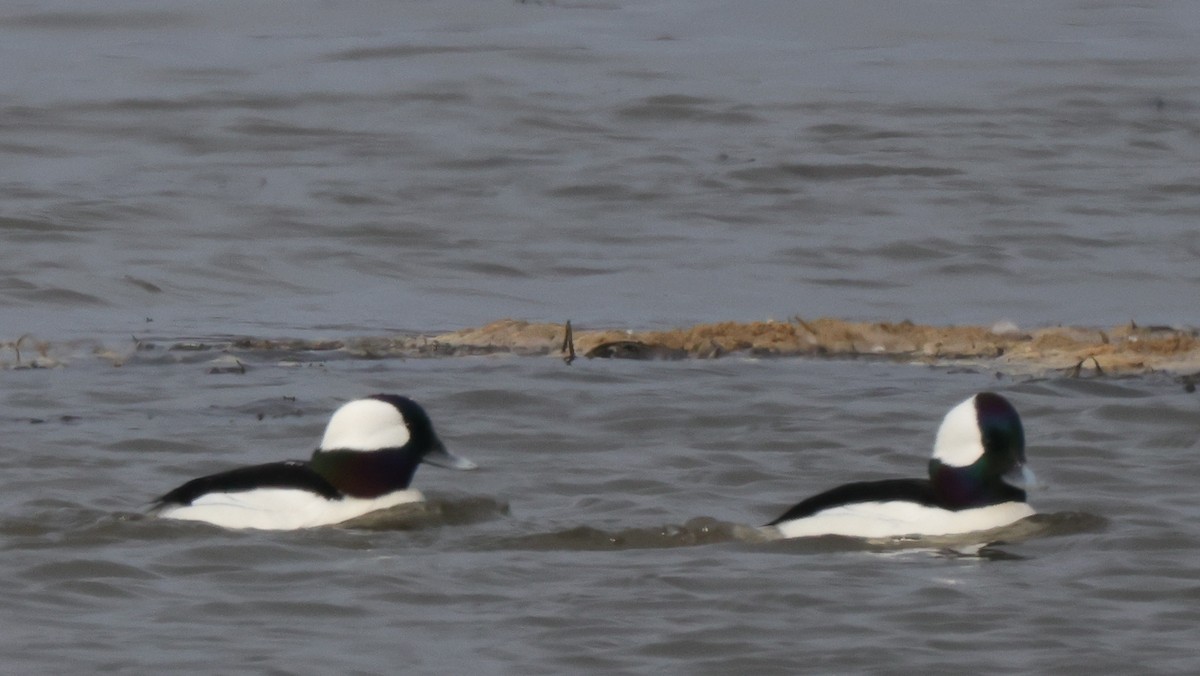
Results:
x,y
366,460
976,480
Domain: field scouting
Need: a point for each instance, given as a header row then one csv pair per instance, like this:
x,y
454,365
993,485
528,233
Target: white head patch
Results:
x,y
959,442
365,425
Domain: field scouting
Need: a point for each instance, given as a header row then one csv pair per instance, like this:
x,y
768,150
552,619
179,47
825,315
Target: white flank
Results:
x,y
959,442
894,519
365,425
281,508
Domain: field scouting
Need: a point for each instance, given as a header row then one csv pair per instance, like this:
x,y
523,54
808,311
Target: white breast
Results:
x,y
281,508
894,519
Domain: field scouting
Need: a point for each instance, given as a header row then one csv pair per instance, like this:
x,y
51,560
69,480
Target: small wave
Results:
x,y
79,524
980,544
697,531
432,513
708,531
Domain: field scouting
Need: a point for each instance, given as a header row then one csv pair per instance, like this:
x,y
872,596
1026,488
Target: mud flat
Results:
x,y
1123,350
1127,349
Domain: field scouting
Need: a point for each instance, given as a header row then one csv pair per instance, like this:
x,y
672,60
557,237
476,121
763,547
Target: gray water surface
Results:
x,y
284,166
602,532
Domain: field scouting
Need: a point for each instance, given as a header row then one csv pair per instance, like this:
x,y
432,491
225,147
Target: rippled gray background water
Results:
x,y
173,169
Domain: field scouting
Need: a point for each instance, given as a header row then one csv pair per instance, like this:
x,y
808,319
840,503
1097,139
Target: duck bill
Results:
x,y
440,457
1021,477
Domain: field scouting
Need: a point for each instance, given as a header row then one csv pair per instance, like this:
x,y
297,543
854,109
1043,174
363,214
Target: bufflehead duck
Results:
x,y
976,480
365,462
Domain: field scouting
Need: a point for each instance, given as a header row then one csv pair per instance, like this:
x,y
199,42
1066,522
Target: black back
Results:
x,y
888,490
289,474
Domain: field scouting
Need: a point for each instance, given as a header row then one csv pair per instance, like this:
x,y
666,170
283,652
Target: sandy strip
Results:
x,y
1121,350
